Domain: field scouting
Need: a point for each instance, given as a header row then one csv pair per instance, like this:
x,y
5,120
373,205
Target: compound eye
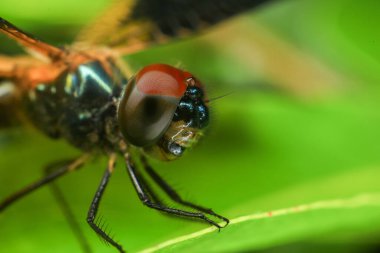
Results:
x,y
149,102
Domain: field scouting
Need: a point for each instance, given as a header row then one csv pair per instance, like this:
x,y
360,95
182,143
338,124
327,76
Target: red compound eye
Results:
x,y
149,102
161,79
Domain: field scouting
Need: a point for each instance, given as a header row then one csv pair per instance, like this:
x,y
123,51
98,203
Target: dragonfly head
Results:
x,y
163,110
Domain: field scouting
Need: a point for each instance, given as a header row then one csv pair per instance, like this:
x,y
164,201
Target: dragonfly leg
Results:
x,y
65,207
72,166
92,212
146,200
174,195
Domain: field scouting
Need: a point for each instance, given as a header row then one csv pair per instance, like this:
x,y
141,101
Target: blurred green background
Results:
x,y
307,132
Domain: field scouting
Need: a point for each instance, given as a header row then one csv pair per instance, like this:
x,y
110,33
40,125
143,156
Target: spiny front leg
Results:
x,y
174,195
146,200
92,212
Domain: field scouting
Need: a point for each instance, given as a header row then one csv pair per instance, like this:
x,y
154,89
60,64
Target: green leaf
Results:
x,y
268,229
295,164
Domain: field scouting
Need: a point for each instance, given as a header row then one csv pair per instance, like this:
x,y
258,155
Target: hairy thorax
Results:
x,y
75,102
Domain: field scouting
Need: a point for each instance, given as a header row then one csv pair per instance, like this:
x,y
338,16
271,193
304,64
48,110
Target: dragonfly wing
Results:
x,y
132,25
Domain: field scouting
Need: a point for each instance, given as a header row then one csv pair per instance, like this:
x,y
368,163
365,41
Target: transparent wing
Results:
x,y
132,25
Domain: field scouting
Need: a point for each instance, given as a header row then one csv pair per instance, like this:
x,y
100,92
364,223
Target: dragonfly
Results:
x,y
86,95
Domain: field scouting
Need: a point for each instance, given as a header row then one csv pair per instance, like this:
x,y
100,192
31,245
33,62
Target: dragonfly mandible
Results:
x,y
83,94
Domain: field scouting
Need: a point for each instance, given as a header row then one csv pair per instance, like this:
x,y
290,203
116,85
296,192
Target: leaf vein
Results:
x,y
366,199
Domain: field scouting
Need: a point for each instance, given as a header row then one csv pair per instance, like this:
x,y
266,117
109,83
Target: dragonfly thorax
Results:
x,y
79,106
